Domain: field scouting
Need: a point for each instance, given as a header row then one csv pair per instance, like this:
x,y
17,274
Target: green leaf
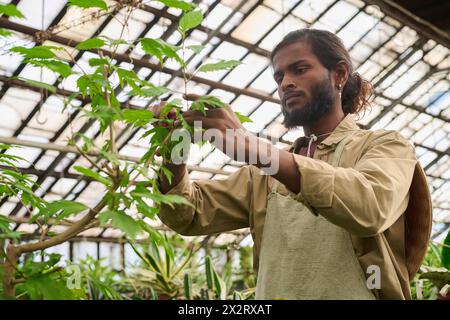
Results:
x,y
93,43
187,286
47,287
439,278
114,42
88,4
190,20
196,48
242,118
160,49
39,84
94,175
66,208
167,173
220,287
209,272
185,6
145,209
159,133
137,117
222,65
445,255
141,191
147,90
93,62
57,66
204,102
4,224
104,115
121,221
125,75
5,33
10,10
11,235
37,52
150,92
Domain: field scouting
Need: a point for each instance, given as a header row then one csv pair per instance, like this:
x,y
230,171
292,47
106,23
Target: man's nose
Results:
x,y
287,83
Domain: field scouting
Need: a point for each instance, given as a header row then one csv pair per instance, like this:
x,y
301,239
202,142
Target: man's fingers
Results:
x,y
198,116
191,96
193,113
156,108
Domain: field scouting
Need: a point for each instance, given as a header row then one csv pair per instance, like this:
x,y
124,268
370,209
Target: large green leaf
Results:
x,y
65,208
160,49
137,117
145,209
141,191
185,6
47,287
88,4
93,43
204,102
95,175
121,221
31,267
54,65
222,65
93,62
190,20
37,52
128,77
445,255
104,115
93,85
10,10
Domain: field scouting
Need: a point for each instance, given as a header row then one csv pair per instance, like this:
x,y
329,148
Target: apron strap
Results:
x,y
335,162
339,150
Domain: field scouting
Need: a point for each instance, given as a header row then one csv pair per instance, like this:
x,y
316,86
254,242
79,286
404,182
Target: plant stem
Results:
x,y
84,155
12,256
13,252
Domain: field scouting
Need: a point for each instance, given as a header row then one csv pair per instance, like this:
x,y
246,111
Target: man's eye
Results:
x,y
301,70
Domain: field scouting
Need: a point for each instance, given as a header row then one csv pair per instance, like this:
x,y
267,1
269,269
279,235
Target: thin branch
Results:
x,y
84,155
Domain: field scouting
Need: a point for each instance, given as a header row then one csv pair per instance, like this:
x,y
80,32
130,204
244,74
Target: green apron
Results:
x,y
304,256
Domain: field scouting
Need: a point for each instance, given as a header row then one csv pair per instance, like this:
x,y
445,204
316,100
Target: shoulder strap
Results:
x,y
339,150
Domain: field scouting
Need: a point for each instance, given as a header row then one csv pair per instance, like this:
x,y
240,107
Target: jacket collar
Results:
x,y
344,128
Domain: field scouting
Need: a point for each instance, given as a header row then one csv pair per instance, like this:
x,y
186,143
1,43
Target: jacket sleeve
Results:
x,y
218,205
368,198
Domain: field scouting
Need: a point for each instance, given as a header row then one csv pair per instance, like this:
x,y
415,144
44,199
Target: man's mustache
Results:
x,y
291,94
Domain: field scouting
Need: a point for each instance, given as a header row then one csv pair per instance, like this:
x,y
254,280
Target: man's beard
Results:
x,y
321,102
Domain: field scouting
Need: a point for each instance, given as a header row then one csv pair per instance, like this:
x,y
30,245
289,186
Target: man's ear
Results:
x,y
341,73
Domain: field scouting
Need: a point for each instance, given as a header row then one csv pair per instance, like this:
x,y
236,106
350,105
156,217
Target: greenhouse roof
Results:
x,y
407,61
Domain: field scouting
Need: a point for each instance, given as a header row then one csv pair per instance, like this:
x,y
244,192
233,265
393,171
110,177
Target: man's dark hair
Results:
x,y
330,50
